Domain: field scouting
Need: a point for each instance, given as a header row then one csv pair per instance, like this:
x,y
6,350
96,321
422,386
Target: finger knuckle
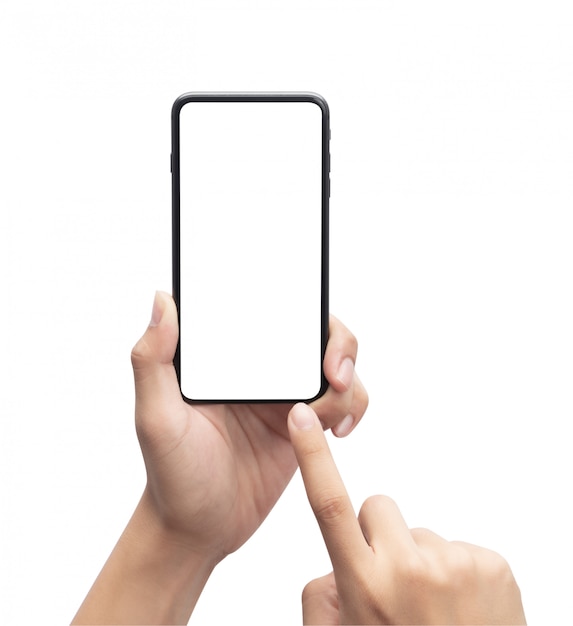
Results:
x,y
413,570
376,506
316,587
334,408
330,507
140,354
370,507
352,343
461,568
360,401
496,568
365,399
385,502
310,590
419,534
313,451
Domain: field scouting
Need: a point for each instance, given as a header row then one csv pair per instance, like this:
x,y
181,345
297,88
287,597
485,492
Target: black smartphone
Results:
x,y
251,187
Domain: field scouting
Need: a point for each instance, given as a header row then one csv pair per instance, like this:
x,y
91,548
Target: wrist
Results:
x,y
152,576
168,557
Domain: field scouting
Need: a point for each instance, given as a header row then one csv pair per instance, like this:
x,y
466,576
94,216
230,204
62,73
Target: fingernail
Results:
x,y
344,427
303,417
157,311
346,372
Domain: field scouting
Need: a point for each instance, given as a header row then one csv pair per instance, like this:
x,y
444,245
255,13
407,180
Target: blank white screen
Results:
x,y
250,242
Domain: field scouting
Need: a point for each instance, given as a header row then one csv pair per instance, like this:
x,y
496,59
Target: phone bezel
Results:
x,y
179,103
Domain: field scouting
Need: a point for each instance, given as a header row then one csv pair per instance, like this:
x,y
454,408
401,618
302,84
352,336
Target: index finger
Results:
x,y
325,490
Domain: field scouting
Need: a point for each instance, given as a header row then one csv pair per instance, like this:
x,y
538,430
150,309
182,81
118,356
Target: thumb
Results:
x,y
156,385
158,344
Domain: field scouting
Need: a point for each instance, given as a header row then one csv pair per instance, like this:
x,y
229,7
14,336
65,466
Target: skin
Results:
x,y
214,472
383,572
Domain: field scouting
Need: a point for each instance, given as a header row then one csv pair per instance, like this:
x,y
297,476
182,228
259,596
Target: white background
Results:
x,y
452,257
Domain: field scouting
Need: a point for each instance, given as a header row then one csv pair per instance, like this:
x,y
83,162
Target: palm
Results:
x,y
238,459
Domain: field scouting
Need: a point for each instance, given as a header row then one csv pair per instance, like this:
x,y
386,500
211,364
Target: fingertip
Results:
x,y
302,417
157,310
340,356
163,309
339,371
345,374
344,427
159,341
159,304
357,410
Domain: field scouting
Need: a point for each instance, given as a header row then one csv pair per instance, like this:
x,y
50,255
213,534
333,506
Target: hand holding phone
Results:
x,y
205,465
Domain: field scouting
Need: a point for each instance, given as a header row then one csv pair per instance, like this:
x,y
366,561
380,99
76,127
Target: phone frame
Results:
x,y
286,96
